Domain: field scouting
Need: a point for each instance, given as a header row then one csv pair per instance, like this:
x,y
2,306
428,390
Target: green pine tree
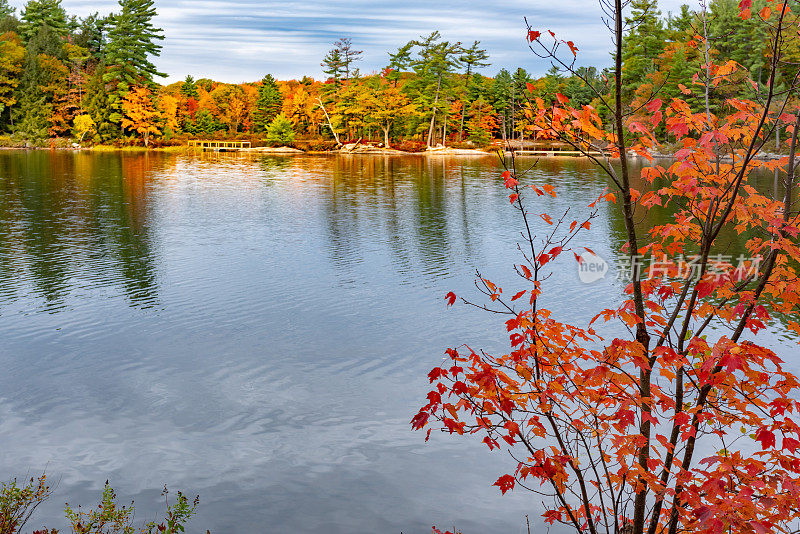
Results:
x,y
8,22
280,131
43,13
97,105
132,40
500,98
642,46
32,116
5,9
189,88
90,35
269,104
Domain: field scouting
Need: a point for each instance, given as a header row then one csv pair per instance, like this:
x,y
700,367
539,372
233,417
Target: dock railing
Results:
x,y
220,146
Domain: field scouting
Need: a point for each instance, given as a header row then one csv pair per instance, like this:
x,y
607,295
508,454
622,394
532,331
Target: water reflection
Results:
x,y
258,330
73,222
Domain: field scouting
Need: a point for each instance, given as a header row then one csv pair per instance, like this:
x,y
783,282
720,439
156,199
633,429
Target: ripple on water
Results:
x,y
259,330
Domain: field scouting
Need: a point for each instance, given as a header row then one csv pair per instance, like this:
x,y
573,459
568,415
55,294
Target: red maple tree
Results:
x,y
673,428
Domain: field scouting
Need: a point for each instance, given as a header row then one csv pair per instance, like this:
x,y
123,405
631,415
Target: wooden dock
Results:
x,y
219,146
555,153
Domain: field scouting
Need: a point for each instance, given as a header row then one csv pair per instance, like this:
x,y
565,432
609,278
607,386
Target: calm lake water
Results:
x,y
258,331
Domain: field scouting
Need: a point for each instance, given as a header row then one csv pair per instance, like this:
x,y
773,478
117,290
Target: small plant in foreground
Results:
x,y
18,503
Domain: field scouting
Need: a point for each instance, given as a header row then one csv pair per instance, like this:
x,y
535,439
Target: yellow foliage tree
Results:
x,y
301,107
139,113
12,54
389,105
231,103
168,107
82,125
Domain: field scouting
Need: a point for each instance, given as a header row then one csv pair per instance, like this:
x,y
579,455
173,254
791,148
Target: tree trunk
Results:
x,y
435,102
777,151
335,135
513,113
386,135
461,130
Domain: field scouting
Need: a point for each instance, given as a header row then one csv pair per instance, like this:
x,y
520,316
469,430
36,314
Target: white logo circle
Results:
x,y
592,268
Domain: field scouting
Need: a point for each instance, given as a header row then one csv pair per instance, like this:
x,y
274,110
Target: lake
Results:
x,y
258,331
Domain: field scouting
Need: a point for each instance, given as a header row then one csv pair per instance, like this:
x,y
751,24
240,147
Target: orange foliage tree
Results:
x,y
674,427
389,105
482,122
140,115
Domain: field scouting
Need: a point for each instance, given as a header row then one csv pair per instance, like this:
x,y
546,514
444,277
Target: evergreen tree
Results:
x,y
679,26
32,117
474,57
732,37
5,9
8,22
189,88
399,62
269,103
348,56
577,90
435,64
519,96
501,100
91,35
643,44
97,105
205,123
338,67
280,131
44,80
333,66
132,40
43,13
471,58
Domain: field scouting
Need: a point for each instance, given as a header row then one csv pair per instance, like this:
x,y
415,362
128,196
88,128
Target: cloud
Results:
x,y
241,40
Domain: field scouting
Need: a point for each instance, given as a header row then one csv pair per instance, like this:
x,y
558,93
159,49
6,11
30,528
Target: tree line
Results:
x,y
93,79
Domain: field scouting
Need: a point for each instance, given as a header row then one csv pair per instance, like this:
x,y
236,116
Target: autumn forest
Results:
x,y
589,268
92,80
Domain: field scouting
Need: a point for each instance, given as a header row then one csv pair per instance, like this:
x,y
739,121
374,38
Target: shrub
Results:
x,y
280,131
18,503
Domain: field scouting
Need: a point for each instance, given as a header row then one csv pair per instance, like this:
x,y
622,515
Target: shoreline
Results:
x,y
371,151
448,152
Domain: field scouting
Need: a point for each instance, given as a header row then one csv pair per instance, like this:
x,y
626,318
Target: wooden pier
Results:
x,y
547,149
555,153
219,146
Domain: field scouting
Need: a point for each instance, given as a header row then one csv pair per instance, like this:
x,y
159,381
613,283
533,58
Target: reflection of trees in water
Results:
x,y
354,190
393,200
67,216
30,227
728,243
271,164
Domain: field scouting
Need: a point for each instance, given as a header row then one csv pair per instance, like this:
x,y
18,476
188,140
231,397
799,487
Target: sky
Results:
x,y
242,40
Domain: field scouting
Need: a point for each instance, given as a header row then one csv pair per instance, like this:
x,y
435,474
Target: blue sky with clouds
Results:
x,y
241,40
